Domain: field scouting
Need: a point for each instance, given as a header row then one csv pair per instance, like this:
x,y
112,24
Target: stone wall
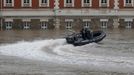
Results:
x,y
35,24
110,24
17,24
77,23
51,24
95,23
122,23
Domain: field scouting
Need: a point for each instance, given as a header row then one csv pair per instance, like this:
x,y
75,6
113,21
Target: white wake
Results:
x,y
58,51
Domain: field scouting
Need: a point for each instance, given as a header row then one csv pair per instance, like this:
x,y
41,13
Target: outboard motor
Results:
x,y
70,39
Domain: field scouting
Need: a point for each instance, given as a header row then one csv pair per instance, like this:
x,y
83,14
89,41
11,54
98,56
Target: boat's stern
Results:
x,y
70,39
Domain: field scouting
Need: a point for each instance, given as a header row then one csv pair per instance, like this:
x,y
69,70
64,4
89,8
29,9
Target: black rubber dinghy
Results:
x,y
77,40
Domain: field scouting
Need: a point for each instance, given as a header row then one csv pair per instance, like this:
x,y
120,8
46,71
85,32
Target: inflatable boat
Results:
x,y
77,39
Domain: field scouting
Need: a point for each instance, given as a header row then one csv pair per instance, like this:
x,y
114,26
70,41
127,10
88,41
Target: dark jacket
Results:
x,y
88,34
83,33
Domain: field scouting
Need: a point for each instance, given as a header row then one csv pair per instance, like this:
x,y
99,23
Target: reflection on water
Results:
x,y
29,35
113,54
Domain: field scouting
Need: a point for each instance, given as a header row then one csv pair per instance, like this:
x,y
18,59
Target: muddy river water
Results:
x,y
45,52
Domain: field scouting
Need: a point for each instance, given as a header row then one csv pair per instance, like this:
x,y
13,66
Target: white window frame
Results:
x,y
44,4
44,24
86,23
83,4
69,21
69,25
100,3
26,21
65,4
8,20
26,25
8,4
9,25
129,22
125,3
104,24
23,4
128,19
104,21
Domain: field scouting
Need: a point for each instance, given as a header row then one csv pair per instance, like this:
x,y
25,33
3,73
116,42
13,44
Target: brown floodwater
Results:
x,y
45,52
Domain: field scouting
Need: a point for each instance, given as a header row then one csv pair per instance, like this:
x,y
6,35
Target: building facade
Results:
x,y
66,14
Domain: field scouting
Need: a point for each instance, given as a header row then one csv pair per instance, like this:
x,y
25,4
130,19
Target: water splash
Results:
x,y
58,51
